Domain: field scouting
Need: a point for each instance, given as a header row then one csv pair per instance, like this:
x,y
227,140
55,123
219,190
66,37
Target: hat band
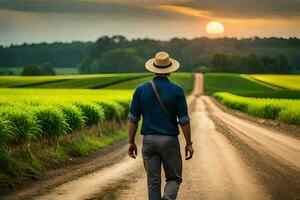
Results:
x,y
165,66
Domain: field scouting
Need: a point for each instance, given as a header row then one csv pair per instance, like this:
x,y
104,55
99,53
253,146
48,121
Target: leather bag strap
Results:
x,y
161,103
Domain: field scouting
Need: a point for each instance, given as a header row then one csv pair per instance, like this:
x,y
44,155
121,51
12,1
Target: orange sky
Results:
x,y
84,20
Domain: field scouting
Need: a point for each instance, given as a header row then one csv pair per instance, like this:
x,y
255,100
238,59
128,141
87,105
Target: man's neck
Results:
x,y
163,75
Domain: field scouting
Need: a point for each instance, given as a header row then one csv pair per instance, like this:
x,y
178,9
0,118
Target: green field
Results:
x,y
58,70
67,81
186,80
30,101
34,109
247,93
30,114
239,85
291,82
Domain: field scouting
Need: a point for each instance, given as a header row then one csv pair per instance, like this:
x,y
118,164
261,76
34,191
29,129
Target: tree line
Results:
x,y
118,54
251,63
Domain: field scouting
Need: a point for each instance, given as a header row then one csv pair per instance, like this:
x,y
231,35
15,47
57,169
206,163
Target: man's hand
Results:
x,y
132,150
189,152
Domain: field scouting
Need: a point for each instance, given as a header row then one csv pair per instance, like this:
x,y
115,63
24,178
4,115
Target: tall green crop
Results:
x,y
74,116
286,110
6,132
112,110
51,121
93,113
24,122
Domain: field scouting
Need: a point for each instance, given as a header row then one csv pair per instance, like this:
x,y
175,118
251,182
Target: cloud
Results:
x,y
163,8
248,8
65,6
67,20
185,10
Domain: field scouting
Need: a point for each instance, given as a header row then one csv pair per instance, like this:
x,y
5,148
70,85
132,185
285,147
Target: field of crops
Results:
x,y
240,85
34,109
58,70
291,82
286,110
29,114
186,80
265,99
32,114
68,81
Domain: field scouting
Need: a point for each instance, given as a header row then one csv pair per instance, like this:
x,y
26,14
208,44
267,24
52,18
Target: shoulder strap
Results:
x,y
161,103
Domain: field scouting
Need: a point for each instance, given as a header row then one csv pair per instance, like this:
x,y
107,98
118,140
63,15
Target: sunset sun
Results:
x,y
214,28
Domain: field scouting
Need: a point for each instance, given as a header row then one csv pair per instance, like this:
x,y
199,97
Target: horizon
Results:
x,y
145,38
37,21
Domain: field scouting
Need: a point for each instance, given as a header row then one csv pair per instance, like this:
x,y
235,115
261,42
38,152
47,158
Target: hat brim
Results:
x,y
172,68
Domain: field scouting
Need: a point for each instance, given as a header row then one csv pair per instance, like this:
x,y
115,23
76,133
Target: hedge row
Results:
x,y
286,110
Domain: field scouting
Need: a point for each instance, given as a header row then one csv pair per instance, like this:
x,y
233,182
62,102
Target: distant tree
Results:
x,y
47,69
268,64
248,55
10,73
250,64
203,69
119,60
102,45
31,70
283,65
220,62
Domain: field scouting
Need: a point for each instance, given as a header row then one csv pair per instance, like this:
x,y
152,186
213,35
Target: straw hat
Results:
x,y
162,63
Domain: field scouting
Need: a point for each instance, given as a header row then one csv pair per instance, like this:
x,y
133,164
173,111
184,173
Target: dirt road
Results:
x,y
234,159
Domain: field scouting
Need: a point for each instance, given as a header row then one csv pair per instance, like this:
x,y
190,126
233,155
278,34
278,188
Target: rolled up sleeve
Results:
x,y
182,109
135,108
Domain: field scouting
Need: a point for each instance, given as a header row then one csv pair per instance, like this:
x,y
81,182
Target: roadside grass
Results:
x,y
87,144
30,116
286,110
42,155
238,85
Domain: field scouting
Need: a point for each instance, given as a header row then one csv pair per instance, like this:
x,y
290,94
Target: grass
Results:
x,y
239,85
265,96
31,162
291,82
87,144
286,110
185,80
58,70
233,83
94,81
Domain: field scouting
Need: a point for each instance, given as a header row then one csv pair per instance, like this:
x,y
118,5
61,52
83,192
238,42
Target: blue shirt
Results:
x,y
155,120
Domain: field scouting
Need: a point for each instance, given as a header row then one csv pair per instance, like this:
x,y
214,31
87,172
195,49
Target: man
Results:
x,y
160,102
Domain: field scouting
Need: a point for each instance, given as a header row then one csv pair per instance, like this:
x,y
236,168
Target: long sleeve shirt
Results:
x,y
155,120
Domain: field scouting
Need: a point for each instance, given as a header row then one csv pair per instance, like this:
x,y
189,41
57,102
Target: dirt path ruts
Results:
x,y
68,172
273,156
273,142
216,171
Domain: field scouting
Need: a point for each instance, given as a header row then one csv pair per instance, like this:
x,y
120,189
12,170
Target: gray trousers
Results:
x,y
163,150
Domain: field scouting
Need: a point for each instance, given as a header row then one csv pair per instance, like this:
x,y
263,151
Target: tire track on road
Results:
x,y
272,155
